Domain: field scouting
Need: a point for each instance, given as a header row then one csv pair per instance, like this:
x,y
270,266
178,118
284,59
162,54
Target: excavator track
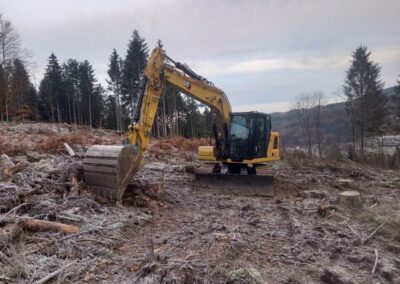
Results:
x,y
109,169
236,184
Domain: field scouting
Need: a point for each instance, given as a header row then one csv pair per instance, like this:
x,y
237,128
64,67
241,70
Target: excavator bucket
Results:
x,y
109,169
236,184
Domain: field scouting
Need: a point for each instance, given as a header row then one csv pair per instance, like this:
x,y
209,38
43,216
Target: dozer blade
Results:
x,y
108,169
236,184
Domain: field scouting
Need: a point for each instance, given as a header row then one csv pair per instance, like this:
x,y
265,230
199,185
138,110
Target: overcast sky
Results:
x,y
261,53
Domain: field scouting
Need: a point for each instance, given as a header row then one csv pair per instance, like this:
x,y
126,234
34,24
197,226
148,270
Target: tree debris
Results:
x,y
43,226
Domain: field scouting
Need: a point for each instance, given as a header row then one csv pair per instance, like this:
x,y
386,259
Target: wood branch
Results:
x,y
69,150
74,187
54,273
93,240
374,232
42,225
354,231
14,210
376,262
8,171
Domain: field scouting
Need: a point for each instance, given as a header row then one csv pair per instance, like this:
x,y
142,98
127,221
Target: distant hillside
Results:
x,y
335,124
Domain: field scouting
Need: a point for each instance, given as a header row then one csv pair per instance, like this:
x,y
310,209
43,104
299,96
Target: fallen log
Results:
x,y
44,226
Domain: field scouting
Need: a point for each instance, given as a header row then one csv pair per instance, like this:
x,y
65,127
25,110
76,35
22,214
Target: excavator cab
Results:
x,y
249,136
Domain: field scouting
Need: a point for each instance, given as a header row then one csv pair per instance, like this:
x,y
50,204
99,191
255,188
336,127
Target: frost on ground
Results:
x,y
167,230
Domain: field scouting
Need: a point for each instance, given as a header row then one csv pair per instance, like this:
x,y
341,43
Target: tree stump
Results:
x,y
8,233
350,199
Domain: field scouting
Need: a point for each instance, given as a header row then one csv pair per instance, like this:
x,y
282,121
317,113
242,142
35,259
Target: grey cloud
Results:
x,y
225,33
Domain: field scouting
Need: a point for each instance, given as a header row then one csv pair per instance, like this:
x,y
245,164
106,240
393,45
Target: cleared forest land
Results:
x,y
166,230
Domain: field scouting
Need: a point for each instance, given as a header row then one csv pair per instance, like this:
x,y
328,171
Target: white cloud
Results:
x,y
291,62
267,108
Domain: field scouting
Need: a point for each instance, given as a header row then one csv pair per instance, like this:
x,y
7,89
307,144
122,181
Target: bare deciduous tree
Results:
x,y
10,44
318,100
308,113
303,112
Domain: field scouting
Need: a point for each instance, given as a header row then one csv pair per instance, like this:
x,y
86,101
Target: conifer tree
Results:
x,y
51,91
87,83
110,118
133,68
396,99
70,75
114,86
23,103
365,103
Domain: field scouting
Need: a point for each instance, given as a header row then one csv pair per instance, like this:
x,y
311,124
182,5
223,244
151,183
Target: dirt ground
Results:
x,y
167,230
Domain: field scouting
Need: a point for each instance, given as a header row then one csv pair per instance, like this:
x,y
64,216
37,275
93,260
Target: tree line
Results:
x,y
69,92
369,112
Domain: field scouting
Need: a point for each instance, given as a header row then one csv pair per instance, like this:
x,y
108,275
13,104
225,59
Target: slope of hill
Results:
x,y
335,124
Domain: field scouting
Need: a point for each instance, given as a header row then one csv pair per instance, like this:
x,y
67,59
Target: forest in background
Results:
x,y
70,93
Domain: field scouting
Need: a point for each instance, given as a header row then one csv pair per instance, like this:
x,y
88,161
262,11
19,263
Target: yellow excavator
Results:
x,y
243,140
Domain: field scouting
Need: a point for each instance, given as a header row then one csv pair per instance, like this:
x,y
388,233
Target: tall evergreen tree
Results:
x,y
87,83
51,91
133,68
365,103
110,119
114,86
396,99
98,105
70,75
24,99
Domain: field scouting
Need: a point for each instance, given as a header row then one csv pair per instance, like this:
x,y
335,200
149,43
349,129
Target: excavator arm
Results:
x,y
108,169
161,70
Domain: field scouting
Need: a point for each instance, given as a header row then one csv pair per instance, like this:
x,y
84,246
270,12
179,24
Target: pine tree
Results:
x,y
87,83
110,118
396,100
114,86
23,103
98,106
133,68
51,91
70,75
365,103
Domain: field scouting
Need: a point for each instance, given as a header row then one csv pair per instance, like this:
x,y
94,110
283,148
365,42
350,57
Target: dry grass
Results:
x,y
378,215
179,146
55,143
13,149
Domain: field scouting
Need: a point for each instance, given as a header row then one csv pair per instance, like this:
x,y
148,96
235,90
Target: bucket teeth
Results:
x,y
109,169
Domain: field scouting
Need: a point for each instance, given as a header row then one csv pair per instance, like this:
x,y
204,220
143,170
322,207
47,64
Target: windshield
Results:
x,y
240,127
